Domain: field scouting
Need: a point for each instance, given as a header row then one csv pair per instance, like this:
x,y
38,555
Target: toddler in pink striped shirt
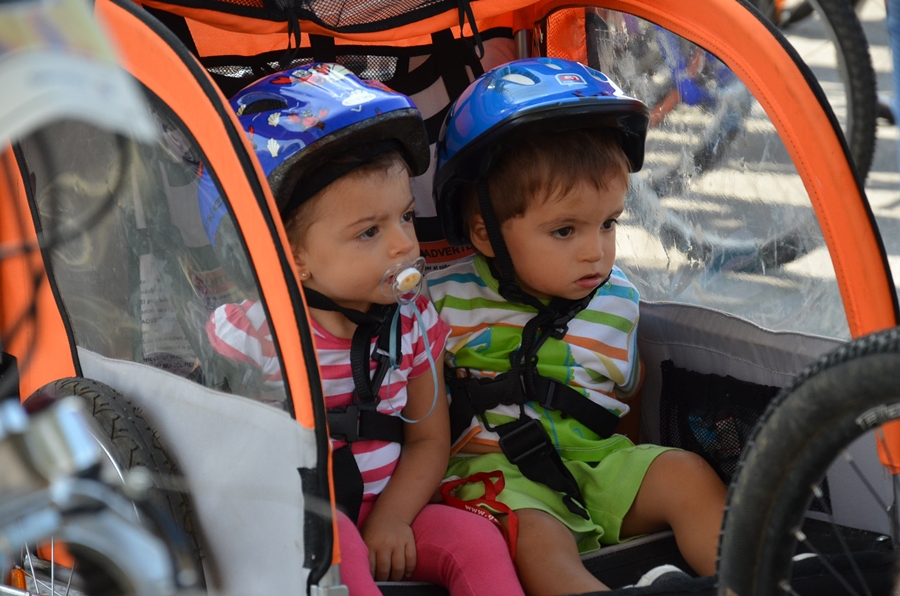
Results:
x,y
349,219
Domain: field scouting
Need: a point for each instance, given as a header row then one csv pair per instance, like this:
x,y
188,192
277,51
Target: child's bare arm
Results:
x,y
423,462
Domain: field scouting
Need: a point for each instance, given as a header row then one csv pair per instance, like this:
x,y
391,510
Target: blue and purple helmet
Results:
x,y
301,119
523,98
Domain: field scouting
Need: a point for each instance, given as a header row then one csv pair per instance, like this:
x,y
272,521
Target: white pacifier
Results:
x,y
403,281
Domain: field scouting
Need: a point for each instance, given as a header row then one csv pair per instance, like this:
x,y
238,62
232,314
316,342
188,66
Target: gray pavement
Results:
x,y
709,227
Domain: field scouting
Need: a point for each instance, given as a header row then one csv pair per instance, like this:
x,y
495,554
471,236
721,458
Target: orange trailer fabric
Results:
x,y
261,36
40,342
214,41
496,13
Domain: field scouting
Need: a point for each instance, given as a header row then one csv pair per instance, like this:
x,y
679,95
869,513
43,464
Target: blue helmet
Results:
x,y
524,98
303,118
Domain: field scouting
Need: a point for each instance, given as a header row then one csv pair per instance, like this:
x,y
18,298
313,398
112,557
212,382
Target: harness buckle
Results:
x,y
559,332
559,326
527,441
343,424
545,389
486,393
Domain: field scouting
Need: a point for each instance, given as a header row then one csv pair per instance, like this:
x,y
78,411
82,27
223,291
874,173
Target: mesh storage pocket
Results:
x,y
339,16
710,415
343,14
233,73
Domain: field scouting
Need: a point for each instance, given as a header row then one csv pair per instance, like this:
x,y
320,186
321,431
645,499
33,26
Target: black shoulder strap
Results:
x,y
450,62
177,24
366,389
466,12
360,421
348,482
323,48
524,441
528,446
374,323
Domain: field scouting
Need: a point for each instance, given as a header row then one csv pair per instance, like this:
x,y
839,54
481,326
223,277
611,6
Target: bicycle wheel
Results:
x,y
769,538
129,442
798,11
834,42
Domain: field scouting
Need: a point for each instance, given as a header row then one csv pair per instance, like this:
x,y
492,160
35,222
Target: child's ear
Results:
x,y
479,237
300,264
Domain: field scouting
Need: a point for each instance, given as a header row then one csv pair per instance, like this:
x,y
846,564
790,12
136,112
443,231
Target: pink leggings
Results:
x,y
454,548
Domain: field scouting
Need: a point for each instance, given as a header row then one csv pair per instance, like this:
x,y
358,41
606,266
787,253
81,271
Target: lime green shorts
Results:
x,y
608,487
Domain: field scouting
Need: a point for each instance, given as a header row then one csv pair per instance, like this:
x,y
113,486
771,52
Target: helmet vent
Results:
x,y
263,105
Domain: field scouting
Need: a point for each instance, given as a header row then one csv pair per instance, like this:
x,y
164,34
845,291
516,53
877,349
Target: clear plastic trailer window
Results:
x,y
719,216
134,261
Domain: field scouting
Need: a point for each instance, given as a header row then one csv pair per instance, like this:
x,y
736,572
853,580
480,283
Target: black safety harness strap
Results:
x,y
527,445
374,323
360,421
524,441
479,395
348,482
352,424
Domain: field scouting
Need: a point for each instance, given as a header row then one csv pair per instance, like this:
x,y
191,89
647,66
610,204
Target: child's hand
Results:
x,y
392,547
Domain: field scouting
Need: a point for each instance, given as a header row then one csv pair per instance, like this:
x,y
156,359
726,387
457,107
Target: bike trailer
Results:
x,y
747,232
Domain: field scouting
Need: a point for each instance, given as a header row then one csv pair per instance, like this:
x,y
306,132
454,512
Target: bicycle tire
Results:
x,y
822,412
805,9
130,442
843,27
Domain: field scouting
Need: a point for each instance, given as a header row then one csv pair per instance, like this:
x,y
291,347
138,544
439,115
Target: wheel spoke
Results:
x,y
37,587
891,514
872,491
52,566
892,508
817,491
69,583
801,538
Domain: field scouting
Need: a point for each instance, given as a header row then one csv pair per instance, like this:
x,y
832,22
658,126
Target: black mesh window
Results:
x,y
249,3
710,414
233,73
340,14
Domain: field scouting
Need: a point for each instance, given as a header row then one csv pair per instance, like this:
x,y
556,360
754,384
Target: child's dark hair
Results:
x,y
547,166
297,224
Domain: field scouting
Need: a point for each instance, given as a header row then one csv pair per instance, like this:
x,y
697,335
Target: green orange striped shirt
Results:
x,y
598,355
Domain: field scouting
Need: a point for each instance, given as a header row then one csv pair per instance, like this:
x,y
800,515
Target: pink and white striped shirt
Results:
x,y
238,332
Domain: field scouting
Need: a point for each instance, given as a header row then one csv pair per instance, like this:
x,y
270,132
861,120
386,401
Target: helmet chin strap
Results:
x,y
509,288
502,265
376,322
551,319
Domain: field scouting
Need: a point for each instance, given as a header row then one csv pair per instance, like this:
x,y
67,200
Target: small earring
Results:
x,y
304,276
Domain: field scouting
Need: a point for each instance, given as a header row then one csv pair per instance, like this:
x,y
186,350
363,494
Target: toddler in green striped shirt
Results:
x,y
542,350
